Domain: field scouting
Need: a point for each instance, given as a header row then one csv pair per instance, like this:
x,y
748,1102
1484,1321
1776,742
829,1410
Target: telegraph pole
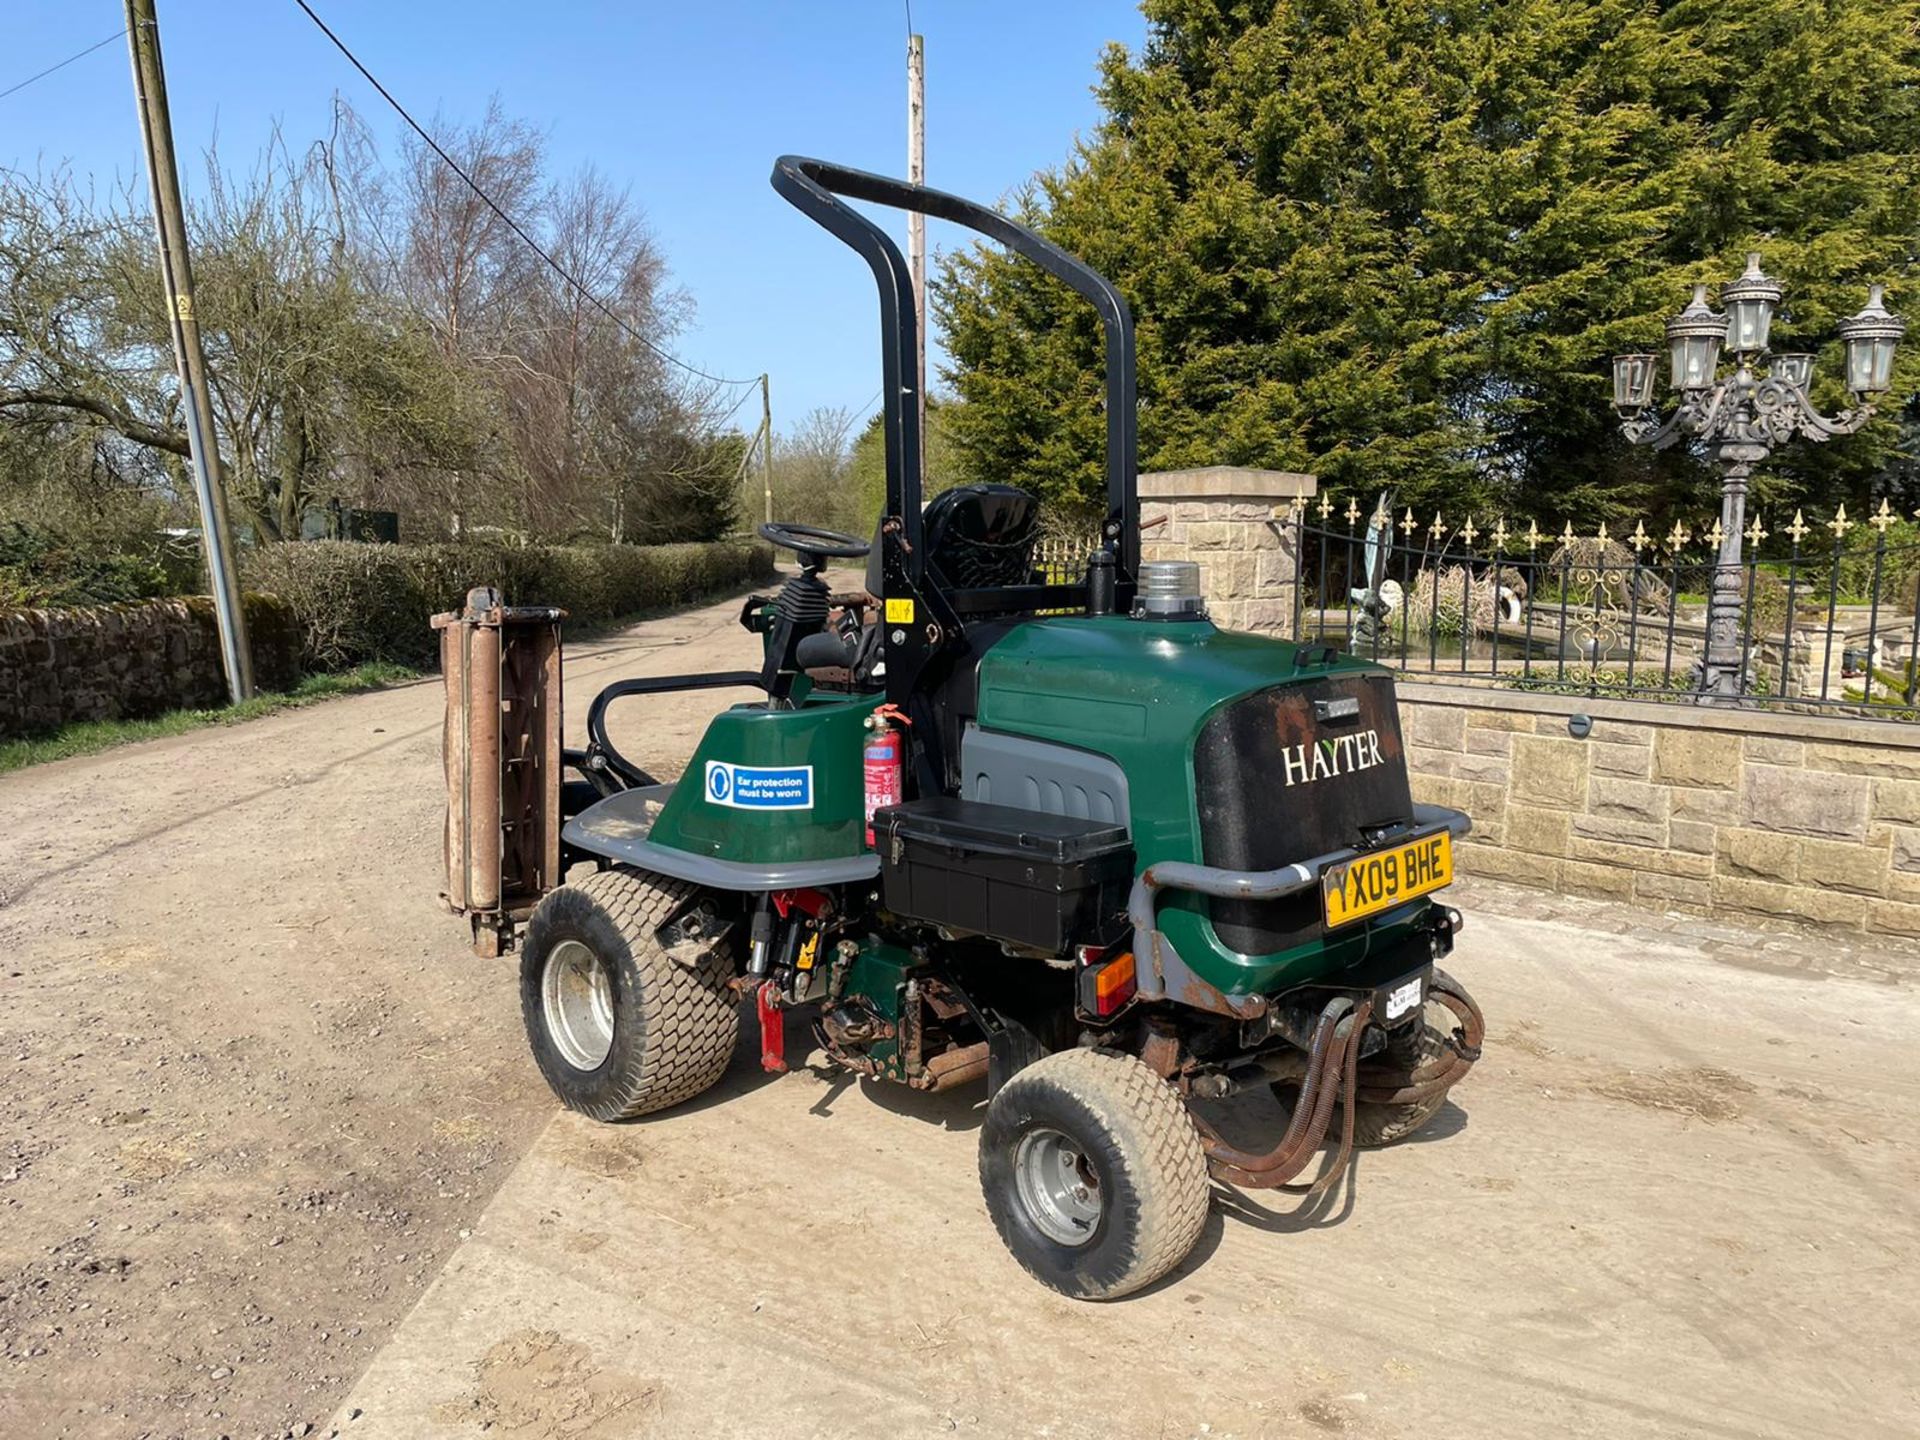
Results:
x,y
163,182
917,223
766,444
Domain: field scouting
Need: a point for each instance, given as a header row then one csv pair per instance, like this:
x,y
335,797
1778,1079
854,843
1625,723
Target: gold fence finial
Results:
x,y
1639,539
1353,510
1409,525
1533,536
1716,537
1756,532
1883,517
1326,506
1468,533
1439,527
1602,535
1500,533
1567,535
1840,524
1799,529
1679,537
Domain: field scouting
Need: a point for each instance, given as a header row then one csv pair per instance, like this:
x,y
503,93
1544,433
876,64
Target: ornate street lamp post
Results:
x,y
1744,416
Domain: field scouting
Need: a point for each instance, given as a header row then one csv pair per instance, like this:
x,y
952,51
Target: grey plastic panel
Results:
x,y
1002,769
617,828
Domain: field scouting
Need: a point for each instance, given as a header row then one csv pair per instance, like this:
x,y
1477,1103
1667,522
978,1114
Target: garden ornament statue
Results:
x,y
1741,417
1374,601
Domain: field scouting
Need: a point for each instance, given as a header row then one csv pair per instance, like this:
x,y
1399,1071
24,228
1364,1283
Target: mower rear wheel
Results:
x,y
617,1028
1093,1173
1375,1124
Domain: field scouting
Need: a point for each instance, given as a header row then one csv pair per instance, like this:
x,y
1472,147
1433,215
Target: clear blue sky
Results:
x,y
688,103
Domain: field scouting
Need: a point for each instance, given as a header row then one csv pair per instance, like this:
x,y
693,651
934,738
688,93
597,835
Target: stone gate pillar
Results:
x,y
1234,521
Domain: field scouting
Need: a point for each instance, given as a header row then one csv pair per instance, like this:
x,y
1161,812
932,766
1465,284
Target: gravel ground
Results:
x,y
255,1085
259,1100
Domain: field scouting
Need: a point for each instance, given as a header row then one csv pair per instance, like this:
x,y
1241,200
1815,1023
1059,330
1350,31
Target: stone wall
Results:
x,y
111,662
1229,520
1684,807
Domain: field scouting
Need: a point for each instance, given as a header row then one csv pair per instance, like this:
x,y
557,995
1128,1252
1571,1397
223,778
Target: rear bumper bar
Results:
x,y
1163,975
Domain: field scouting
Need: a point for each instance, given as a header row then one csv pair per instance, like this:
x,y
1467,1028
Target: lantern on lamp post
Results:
x,y
1633,382
1870,337
1750,301
1744,415
1693,340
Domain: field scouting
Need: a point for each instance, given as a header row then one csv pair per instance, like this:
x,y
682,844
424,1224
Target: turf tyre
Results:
x,y
674,1026
1374,1124
1141,1147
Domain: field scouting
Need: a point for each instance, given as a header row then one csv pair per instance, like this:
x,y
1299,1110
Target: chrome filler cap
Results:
x,y
1169,590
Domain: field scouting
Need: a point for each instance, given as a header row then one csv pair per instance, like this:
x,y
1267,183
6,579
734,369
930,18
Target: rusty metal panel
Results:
x,y
529,775
502,760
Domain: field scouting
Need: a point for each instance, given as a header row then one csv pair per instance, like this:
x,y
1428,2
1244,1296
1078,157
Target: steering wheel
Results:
x,y
811,540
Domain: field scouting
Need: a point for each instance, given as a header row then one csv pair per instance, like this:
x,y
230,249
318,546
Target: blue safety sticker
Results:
x,y
760,787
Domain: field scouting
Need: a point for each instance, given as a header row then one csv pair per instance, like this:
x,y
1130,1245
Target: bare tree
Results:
x,y
374,335
464,267
810,467
582,379
66,352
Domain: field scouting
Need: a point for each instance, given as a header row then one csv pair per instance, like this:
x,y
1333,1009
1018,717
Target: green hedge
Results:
x,y
357,603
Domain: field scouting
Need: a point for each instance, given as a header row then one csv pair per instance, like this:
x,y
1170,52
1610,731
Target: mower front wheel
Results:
x,y
1093,1173
617,1027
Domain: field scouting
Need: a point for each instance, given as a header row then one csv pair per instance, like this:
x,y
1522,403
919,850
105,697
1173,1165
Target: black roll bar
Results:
x,y
601,747
813,188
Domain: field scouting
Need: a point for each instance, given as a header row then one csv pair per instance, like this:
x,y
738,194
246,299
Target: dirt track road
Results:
x,y
271,1155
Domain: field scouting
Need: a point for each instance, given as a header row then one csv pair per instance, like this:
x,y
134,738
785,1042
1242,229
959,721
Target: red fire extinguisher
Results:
x,y
884,757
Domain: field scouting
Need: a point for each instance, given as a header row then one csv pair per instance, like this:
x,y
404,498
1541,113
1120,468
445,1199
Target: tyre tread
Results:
x,y
688,1017
1169,1172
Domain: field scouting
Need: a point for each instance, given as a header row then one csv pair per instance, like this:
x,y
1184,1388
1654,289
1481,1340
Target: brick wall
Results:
x,y
1685,807
110,662
1225,517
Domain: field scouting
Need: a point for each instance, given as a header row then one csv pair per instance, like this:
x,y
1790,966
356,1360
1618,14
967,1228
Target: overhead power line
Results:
x,y
77,55
514,225
745,395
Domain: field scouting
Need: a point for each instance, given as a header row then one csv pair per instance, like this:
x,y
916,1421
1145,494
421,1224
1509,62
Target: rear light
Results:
x,y
1114,984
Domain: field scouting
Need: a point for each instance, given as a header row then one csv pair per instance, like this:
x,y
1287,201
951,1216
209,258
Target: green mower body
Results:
x,y
1137,693
1064,836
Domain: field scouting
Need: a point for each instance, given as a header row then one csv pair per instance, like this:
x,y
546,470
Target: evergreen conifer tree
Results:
x,y
1395,242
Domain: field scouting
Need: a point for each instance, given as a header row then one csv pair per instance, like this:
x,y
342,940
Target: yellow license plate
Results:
x,y
1368,884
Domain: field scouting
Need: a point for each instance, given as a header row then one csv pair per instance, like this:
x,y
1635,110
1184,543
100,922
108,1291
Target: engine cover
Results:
x,y
1288,773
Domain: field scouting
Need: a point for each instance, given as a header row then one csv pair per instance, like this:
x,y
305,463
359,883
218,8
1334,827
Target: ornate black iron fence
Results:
x,y
1830,618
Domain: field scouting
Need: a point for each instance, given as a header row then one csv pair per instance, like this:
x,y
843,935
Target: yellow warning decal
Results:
x,y
900,612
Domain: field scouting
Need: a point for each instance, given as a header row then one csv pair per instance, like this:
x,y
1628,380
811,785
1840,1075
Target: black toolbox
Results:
x,y
1021,875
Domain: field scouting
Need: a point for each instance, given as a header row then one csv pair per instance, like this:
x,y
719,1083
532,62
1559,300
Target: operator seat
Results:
x,y
977,536
982,536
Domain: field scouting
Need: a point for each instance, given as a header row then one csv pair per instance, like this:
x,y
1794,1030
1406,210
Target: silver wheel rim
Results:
x,y
1058,1186
576,998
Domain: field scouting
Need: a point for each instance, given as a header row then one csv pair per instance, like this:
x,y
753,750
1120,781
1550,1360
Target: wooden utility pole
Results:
x,y
766,444
917,223
163,182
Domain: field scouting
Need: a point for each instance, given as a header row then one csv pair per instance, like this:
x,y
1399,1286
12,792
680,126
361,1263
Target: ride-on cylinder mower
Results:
x,y
1069,839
